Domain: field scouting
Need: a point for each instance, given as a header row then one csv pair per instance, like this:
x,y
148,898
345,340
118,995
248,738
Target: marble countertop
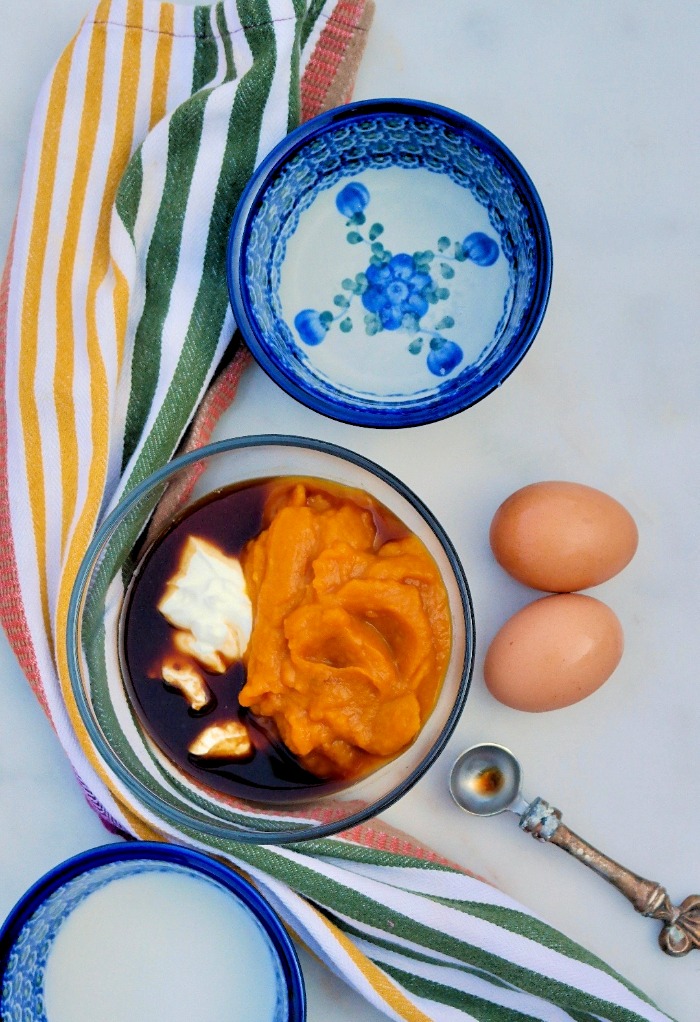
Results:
x,y
600,103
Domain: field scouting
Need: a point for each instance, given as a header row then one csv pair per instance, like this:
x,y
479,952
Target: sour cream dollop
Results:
x,y
207,601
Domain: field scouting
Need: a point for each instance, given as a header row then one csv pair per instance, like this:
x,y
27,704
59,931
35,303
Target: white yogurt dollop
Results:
x,y
207,600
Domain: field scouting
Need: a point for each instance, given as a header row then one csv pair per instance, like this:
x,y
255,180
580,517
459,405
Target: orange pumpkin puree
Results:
x,y
351,633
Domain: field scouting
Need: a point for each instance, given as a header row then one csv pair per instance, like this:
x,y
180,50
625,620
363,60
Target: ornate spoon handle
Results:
x,y
681,930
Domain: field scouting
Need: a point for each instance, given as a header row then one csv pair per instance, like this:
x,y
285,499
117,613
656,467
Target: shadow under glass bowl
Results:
x,y
101,689
389,263
35,926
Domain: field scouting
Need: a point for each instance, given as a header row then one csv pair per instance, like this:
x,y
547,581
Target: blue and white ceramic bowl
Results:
x,y
147,909
389,263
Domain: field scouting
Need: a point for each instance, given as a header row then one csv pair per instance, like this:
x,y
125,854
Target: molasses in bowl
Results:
x,y
270,639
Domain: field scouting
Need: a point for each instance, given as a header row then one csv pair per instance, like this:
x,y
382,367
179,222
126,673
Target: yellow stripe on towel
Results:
x,y
100,399
64,378
161,76
31,299
377,979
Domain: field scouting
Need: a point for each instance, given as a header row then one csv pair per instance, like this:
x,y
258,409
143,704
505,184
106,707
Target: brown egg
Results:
x,y
560,537
553,652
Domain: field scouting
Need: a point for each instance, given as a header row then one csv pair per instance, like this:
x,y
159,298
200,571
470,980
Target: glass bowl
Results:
x,y
109,934
101,686
389,263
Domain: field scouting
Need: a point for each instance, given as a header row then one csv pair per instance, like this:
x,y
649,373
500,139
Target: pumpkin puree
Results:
x,y
351,633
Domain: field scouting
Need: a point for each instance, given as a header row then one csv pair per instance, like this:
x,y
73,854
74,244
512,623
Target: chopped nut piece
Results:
x,y
222,741
187,679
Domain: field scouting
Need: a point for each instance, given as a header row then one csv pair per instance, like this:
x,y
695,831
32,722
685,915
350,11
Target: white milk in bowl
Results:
x,y
157,941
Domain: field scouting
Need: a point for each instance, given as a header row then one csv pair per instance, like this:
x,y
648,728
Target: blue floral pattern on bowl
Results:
x,y
390,263
398,290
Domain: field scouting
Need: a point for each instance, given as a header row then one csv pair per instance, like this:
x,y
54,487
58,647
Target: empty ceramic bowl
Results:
x,y
389,263
144,931
145,724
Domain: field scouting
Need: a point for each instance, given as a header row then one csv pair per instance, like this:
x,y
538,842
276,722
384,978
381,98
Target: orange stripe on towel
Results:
x,y
12,615
331,48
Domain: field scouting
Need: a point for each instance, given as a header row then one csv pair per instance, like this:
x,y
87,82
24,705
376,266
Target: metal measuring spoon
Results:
x,y
486,780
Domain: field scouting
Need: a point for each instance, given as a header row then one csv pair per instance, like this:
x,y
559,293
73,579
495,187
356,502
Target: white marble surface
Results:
x,y
600,102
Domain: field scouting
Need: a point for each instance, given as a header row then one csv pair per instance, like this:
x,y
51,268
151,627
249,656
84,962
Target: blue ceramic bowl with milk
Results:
x,y
145,931
390,263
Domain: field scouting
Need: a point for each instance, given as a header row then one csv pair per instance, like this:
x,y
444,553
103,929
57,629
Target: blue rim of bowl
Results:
x,y
204,825
240,228
156,851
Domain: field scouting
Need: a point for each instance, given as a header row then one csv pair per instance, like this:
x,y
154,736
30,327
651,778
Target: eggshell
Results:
x,y
560,537
554,652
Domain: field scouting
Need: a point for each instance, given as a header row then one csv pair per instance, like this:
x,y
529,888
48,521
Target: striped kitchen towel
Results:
x,y
114,320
